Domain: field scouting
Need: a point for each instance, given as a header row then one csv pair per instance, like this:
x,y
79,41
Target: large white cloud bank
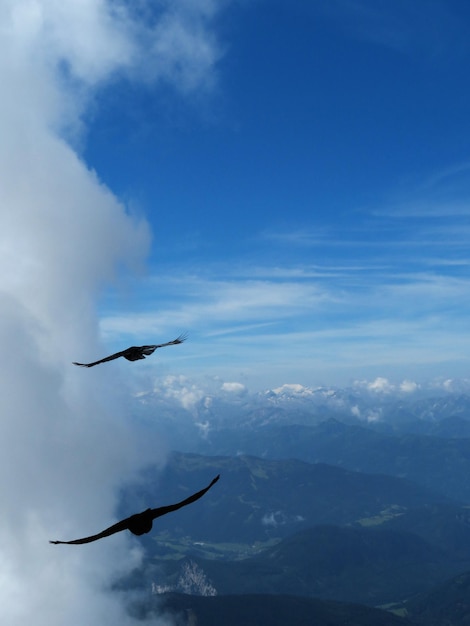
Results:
x,y
66,443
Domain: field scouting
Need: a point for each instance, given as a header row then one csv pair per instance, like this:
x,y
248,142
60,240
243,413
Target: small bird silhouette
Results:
x,y
141,523
135,353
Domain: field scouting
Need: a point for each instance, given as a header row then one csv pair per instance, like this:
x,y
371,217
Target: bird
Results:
x,y
135,353
141,523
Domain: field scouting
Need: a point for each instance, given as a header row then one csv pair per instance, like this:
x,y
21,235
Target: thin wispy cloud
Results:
x,y
455,176
352,319
360,297
429,28
184,46
210,301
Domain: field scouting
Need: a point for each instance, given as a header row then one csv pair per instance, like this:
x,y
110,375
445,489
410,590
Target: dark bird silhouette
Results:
x,y
135,353
141,523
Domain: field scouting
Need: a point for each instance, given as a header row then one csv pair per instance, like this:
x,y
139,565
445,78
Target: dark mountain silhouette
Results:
x,y
446,526
339,534
441,464
263,610
141,523
445,605
454,426
134,353
263,499
364,565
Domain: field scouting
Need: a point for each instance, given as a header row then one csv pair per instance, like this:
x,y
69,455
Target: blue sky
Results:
x,y
308,193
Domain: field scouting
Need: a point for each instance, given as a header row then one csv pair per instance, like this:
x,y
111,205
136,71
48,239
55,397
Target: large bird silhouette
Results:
x,y
141,523
135,353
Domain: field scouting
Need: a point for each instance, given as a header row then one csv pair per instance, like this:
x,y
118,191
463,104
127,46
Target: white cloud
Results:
x,y
383,385
380,385
451,385
275,518
279,518
185,51
187,393
409,386
235,388
293,389
67,441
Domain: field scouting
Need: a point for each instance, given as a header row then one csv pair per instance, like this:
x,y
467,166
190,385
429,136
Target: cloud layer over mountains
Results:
x,y
212,404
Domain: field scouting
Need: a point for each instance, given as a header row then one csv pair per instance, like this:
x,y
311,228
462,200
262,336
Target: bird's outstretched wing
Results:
x,y
116,528
141,523
135,353
163,510
107,358
175,342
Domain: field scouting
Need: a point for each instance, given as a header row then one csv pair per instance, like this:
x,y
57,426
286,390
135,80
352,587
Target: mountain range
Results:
x,y
326,496
263,610
258,499
186,408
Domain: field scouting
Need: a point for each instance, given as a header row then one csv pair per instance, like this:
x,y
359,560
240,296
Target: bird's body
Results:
x,y
141,523
135,353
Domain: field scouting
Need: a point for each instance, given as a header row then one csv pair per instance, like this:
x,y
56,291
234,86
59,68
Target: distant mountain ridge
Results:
x,y
363,491
258,499
264,610
366,565
436,463
445,605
